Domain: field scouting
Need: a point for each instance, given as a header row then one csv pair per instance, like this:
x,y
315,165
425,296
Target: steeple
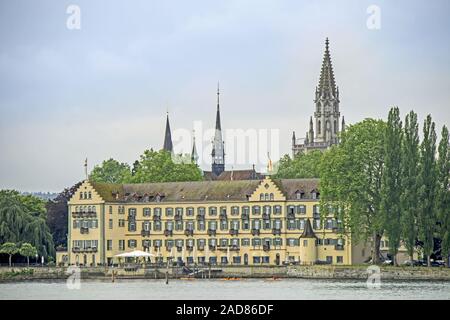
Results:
x,y
327,84
194,154
218,149
310,134
168,146
343,124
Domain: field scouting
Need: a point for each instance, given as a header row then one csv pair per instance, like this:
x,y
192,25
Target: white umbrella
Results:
x,y
134,254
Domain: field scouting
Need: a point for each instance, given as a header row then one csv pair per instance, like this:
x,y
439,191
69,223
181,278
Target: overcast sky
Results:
x,y
103,90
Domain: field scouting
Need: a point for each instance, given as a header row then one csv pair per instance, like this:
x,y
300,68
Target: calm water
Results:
x,y
219,289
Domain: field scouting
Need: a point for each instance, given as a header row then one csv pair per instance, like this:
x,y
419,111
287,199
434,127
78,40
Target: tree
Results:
x,y
158,166
57,215
27,250
303,165
391,183
443,194
351,177
427,195
410,183
10,249
111,171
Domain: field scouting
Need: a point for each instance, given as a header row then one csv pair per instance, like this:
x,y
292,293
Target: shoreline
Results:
x,y
15,274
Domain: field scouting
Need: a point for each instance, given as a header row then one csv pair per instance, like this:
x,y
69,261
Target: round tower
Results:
x,y
308,245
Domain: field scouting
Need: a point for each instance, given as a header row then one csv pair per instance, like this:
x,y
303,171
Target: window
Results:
x,y
256,242
292,242
189,225
179,211
245,242
267,209
201,243
89,195
212,211
291,225
235,224
146,243
235,242
256,260
110,210
265,259
212,225
272,197
169,225
246,210
277,242
235,211
266,224
223,242
317,224
266,196
245,224
157,212
301,224
190,212
132,213
81,195
169,212
223,260
110,223
223,225
299,195
223,210
261,197
319,127
277,209
146,212
305,243
237,260
146,226
329,224
212,242
256,224
256,209
178,225
277,224
131,226
301,209
121,223
201,211
121,245
329,259
201,225
76,224
339,259
157,226
109,245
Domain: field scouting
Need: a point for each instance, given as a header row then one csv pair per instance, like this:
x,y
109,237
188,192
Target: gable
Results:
x,y
86,194
267,189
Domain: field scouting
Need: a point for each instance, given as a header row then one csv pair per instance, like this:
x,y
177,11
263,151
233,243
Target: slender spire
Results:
x,y
218,126
293,138
327,84
168,146
194,154
343,124
218,148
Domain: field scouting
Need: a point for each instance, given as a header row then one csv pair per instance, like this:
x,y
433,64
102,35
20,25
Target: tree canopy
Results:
x,y
303,165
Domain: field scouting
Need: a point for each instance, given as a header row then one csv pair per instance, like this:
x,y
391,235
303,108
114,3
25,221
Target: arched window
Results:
x,y
319,127
90,195
93,209
85,195
89,209
271,196
267,196
261,196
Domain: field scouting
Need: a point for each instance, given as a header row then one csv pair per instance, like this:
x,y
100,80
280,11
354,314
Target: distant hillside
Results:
x,y
42,195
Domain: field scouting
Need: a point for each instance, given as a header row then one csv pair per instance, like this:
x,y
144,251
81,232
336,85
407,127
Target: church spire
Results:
x,y
218,126
327,84
168,146
218,149
194,154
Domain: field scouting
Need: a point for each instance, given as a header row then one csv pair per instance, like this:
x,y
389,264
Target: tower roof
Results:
x,y
327,84
308,231
168,146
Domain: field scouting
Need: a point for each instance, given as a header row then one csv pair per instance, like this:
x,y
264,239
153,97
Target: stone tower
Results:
x,y
218,148
325,127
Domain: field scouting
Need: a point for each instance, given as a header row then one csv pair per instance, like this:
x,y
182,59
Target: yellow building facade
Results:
x,y
246,222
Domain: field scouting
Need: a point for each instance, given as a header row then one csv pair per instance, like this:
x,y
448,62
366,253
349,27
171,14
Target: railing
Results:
x,y
266,216
188,232
234,232
77,250
189,248
84,230
211,232
200,217
178,217
88,214
245,216
256,232
179,249
291,215
212,248
201,248
168,233
234,248
156,218
339,247
223,216
145,233
266,247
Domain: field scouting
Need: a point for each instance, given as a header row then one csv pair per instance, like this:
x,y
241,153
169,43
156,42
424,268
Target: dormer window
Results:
x,y
299,194
315,194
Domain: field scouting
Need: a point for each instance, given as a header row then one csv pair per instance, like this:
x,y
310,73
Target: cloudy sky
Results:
x,y
103,90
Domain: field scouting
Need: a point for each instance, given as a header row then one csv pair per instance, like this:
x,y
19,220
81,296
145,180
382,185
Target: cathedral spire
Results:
x,y
218,126
218,149
168,146
194,154
343,124
327,85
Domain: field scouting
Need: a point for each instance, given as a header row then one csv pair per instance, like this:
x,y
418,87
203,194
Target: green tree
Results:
x,y
443,194
427,189
27,250
391,183
158,166
351,177
301,166
409,189
111,171
10,249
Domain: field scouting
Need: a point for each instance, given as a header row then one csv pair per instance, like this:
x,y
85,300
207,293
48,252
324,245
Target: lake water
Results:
x,y
258,289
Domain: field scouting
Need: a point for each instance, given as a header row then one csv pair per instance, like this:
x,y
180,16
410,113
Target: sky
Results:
x,y
103,90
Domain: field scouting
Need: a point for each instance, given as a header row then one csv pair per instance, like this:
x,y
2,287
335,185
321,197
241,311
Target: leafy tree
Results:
x,y
158,166
410,183
10,249
427,195
443,194
57,215
111,171
303,165
27,250
391,183
351,178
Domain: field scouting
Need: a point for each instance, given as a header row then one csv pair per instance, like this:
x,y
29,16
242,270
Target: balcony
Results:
x,y
339,247
145,233
211,232
88,214
189,248
266,247
200,217
212,248
245,216
178,217
179,249
234,232
234,248
223,216
189,232
168,233
255,232
276,231
266,216
84,230
291,215
156,218
79,250
200,248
